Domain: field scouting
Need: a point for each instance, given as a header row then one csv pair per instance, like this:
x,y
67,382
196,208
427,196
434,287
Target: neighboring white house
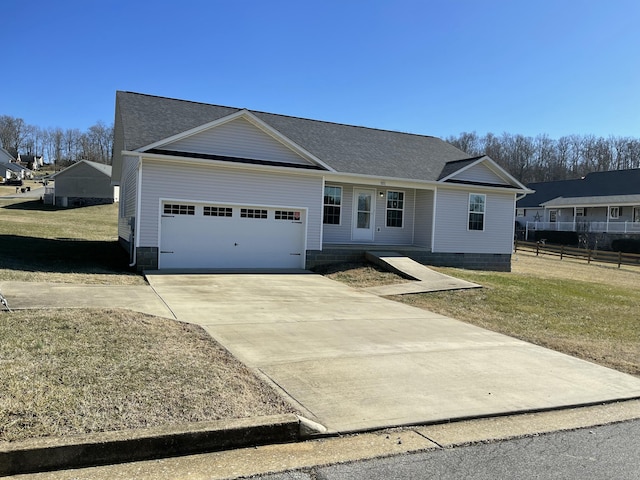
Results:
x,y
207,186
32,162
84,183
14,171
600,202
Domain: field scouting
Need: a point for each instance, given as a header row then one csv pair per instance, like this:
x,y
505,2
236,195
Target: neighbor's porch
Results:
x,y
610,226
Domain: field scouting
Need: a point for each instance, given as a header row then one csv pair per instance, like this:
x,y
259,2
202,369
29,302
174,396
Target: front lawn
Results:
x,y
51,244
68,372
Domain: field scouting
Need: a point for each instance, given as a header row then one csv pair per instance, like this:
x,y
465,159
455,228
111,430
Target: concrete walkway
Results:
x,y
354,361
427,280
139,298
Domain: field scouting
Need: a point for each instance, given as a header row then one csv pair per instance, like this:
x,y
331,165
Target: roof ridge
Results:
x,y
295,117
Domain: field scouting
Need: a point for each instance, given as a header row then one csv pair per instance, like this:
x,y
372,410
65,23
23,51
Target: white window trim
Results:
x,y
341,205
636,215
579,212
484,212
386,205
520,212
617,214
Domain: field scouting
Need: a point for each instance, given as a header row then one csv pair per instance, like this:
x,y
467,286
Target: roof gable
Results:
x,y
85,165
478,171
240,135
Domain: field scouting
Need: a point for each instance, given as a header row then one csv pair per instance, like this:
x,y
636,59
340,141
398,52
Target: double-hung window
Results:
x,y
332,205
395,208
477,204
614,212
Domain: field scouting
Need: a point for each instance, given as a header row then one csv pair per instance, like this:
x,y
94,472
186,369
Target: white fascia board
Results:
x,y
251,118
178,161
330,177
397,182
603,201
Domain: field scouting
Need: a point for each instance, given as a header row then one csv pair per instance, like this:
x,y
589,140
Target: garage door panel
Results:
x,y
198,241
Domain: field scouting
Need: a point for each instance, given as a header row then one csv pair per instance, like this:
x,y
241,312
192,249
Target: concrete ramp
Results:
x,y
425,279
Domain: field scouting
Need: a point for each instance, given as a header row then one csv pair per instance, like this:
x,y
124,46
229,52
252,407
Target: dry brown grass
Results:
x,y
70,372
549,266
359,274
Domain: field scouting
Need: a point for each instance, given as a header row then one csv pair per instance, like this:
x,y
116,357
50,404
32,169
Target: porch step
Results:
x,y
427,280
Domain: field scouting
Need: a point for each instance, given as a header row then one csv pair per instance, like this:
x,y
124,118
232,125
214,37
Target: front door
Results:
x,y
363,215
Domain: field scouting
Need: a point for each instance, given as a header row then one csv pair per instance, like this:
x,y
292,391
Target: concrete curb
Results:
x,y
40,455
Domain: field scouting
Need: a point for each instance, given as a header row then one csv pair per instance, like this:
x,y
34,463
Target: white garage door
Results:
x,y
229,236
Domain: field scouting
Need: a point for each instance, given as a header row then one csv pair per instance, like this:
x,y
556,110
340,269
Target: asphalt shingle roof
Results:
x,y
146,119
596,184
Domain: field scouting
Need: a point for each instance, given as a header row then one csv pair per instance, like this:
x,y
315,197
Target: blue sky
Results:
x,y
430,67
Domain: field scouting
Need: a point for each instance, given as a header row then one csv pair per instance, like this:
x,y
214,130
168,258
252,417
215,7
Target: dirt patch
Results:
x,y
360,274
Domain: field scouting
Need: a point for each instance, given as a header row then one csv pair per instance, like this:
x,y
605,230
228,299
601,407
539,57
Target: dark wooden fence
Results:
x,y
562,251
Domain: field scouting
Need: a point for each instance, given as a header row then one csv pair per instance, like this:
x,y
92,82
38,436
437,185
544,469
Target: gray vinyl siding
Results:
x,y
395,235
237,138
83,180
202,183
341,234
451,230
423,218
128,197
481,174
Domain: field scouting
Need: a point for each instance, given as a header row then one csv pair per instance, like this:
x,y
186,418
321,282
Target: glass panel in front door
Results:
x,y
364,210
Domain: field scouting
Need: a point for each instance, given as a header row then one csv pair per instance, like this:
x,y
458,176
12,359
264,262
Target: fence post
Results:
x,y
588,255
561,252
537,248
619,259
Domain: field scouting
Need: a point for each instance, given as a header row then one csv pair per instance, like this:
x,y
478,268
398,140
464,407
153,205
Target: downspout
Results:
x,y
433,218
324,183
526,234
136,226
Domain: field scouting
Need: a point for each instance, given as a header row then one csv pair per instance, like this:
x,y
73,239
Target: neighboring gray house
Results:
x,y
207,186
6,157
83,183
601,202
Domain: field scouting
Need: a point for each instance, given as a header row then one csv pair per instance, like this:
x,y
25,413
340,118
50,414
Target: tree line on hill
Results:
x,y
58,146
543,159
528,159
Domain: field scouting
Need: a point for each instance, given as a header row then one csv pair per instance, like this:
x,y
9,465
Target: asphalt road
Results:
x,y
608,452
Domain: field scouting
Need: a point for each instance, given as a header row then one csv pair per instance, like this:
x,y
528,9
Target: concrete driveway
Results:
x,y
354,361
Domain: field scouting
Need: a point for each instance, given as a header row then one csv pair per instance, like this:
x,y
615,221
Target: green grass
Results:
x,y
594,321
